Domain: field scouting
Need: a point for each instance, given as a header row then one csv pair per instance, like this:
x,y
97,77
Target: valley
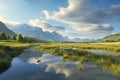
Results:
x,y
74,54
79,55
59,39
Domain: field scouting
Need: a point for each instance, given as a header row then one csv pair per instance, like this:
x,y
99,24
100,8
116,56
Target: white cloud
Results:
x,y
6,21
81,30
45,26
80,16
92,27
49,27
69,14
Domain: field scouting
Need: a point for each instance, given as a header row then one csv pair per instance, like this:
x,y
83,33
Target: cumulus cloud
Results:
x,y
45,26
81,16
49,27
80,11
69,14
93,27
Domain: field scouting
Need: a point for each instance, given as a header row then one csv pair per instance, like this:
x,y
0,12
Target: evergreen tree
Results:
x,y
19,38
8,37
3,36
12,37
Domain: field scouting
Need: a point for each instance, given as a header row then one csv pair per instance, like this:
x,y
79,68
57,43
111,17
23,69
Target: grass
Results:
x,y
115,47
71,51
9,50
76,52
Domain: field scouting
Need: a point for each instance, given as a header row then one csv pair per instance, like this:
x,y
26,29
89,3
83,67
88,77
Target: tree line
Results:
x,y
18,38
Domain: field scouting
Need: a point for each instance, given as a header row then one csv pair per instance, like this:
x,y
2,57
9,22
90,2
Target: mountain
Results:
x,y
111,38
81,40
37,32
3,28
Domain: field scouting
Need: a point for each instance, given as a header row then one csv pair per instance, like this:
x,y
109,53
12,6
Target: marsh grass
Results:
x,y
115,47
76,52
9,50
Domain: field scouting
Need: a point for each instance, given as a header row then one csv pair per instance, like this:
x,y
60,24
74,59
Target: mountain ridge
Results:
x,y
36,32
111,38
5,29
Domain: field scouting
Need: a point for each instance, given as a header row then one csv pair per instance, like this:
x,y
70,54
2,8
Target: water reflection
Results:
x,y
101,52
27,67
66,68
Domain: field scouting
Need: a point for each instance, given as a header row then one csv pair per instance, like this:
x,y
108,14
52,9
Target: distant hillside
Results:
x,y
37,32
111,38
81,40
4,29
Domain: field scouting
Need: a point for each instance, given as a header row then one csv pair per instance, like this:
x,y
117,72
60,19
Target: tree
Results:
x,y
13,37
3,36
8,37
19,38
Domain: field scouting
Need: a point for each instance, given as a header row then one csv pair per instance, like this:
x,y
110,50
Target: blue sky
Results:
x,y
23,10
80,18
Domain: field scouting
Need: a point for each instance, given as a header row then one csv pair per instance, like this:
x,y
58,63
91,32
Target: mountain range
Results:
x,y
36,32
81,40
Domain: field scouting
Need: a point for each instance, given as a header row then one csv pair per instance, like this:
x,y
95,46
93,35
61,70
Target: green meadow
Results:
x,y
68,51
77,52
9,50
107,46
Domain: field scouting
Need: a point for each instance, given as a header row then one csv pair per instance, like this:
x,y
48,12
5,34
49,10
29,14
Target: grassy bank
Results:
x,y
75,52
9,50
115,47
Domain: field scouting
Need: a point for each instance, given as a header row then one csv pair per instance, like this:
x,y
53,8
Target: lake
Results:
x,y
35,65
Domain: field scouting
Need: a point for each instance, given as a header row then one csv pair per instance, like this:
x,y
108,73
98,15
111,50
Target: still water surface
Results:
x,y
33,65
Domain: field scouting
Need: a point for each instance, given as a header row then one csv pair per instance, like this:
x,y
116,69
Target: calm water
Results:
x,y
101,52
33,65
